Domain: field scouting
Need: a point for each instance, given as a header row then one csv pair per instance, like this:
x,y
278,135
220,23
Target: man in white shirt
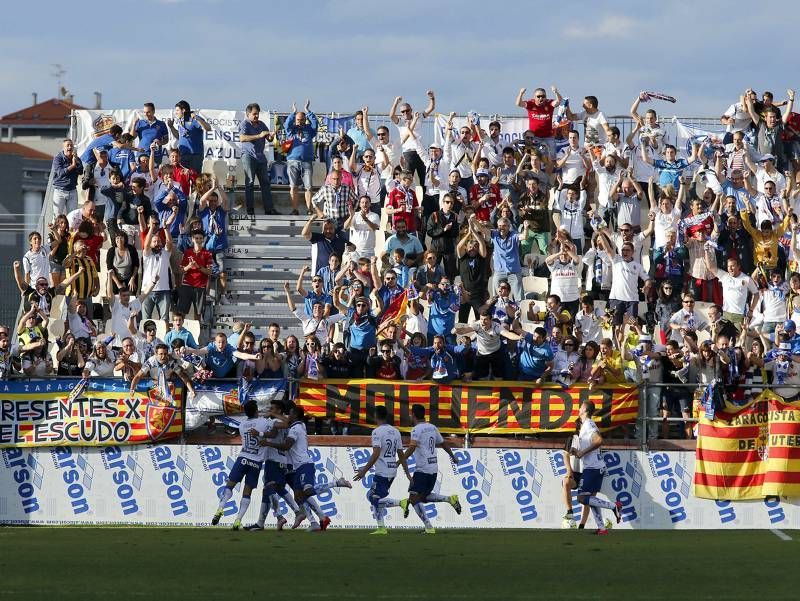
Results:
x,y
366,177
363,225
491,353
493,145
573,160
592,467
425,439
736,118
735,286
315,324
387,157
686,320
412,160
387,452
626,273
155,273
595,124
460,153
122,307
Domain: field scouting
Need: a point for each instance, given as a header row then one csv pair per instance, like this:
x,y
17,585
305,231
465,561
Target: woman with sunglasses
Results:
x,y
270,366
311,367
59,248
582,369
292,359
667,304
564,361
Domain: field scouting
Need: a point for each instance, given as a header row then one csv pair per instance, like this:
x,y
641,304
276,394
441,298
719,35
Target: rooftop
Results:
x,y
50,112
24,151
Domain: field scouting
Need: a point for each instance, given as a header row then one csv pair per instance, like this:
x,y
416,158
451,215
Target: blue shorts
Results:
x,y
380,489
247,470
275,475
422,484
304,478
591,481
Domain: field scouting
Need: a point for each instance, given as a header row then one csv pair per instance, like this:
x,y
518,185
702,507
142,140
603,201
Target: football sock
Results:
x,y
318,488
378,513
289,499
312,502
275,502
310,513
598,517
243,506
224,498
434,498
387,502
596,502
420,511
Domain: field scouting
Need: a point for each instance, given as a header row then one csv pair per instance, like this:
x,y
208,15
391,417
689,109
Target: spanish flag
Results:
x,y
750,452
395,308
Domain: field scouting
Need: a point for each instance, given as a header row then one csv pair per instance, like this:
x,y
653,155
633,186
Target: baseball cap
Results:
x,y
789,325
480,172
435,145
645,338
766,157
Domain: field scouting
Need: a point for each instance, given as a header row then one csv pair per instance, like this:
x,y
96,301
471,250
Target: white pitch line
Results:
x,y
781,535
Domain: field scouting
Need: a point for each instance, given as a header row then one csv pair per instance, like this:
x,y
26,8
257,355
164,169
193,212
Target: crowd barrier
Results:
x,y
749,453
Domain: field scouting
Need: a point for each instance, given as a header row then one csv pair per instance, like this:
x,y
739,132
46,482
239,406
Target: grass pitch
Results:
x,y
197,564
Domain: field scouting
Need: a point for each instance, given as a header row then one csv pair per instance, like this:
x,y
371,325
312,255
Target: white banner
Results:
x,y
220,144
499,488
688,134
511,128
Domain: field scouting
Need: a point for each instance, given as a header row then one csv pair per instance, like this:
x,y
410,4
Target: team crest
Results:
x,y
160,412
762,443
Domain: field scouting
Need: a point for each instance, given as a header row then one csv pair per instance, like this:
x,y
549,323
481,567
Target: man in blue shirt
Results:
x,y
178,331
505,255
301,128
171,196
67,168
360,335
103,142
444,305
150,131
535,356
252,133
360,133
670,167
189,127
220,356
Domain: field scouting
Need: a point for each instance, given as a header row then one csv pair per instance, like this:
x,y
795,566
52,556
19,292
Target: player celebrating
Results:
x,y
425,438
386,443
275,471
296,444
572,480
248,463
588,451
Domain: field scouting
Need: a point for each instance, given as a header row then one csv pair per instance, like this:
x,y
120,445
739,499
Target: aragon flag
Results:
x,y
750,452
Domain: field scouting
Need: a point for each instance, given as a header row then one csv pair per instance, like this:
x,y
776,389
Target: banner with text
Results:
x,y
750,453
220,144
73,412
174,485
497,407
222,400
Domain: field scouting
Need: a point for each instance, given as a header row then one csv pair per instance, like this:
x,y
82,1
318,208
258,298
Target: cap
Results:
x,y
435,145
789,325
766,157
480,172
645,338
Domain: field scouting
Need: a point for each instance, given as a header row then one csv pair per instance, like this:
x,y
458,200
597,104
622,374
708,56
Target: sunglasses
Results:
x,y
540,96
386,350
688,302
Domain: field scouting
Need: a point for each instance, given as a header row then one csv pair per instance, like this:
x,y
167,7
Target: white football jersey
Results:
x,y
298,453
387,439
593,460
250,447
426,436
273,454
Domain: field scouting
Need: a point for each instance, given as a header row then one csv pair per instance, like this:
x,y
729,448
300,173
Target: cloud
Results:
x,y
609,26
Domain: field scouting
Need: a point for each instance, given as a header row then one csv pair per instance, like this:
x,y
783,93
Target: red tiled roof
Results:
x,y
24,151
49,112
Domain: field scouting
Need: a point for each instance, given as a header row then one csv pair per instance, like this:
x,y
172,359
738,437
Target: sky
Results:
x,y
346,54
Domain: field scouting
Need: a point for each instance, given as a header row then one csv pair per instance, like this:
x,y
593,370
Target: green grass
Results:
x,y
197,564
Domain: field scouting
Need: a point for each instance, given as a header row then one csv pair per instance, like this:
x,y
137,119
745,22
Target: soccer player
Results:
x,y
248,463
425,438
296,445
572,480
588,451
275,471
386,447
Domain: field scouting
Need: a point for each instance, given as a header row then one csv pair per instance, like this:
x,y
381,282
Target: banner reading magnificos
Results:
x,y
498,407
749,453
35,413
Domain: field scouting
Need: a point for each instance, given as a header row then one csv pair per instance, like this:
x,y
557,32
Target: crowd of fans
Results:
x,y
659,267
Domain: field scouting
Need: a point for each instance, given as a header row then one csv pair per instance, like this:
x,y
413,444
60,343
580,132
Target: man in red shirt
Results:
x,y
196,267
540,115
484,196
402,204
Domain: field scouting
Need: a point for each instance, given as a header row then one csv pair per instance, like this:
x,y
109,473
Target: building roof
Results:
x,y
50,112
24,151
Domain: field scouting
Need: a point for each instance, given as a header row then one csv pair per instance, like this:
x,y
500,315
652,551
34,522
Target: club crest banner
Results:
x,y
39,413
498,407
